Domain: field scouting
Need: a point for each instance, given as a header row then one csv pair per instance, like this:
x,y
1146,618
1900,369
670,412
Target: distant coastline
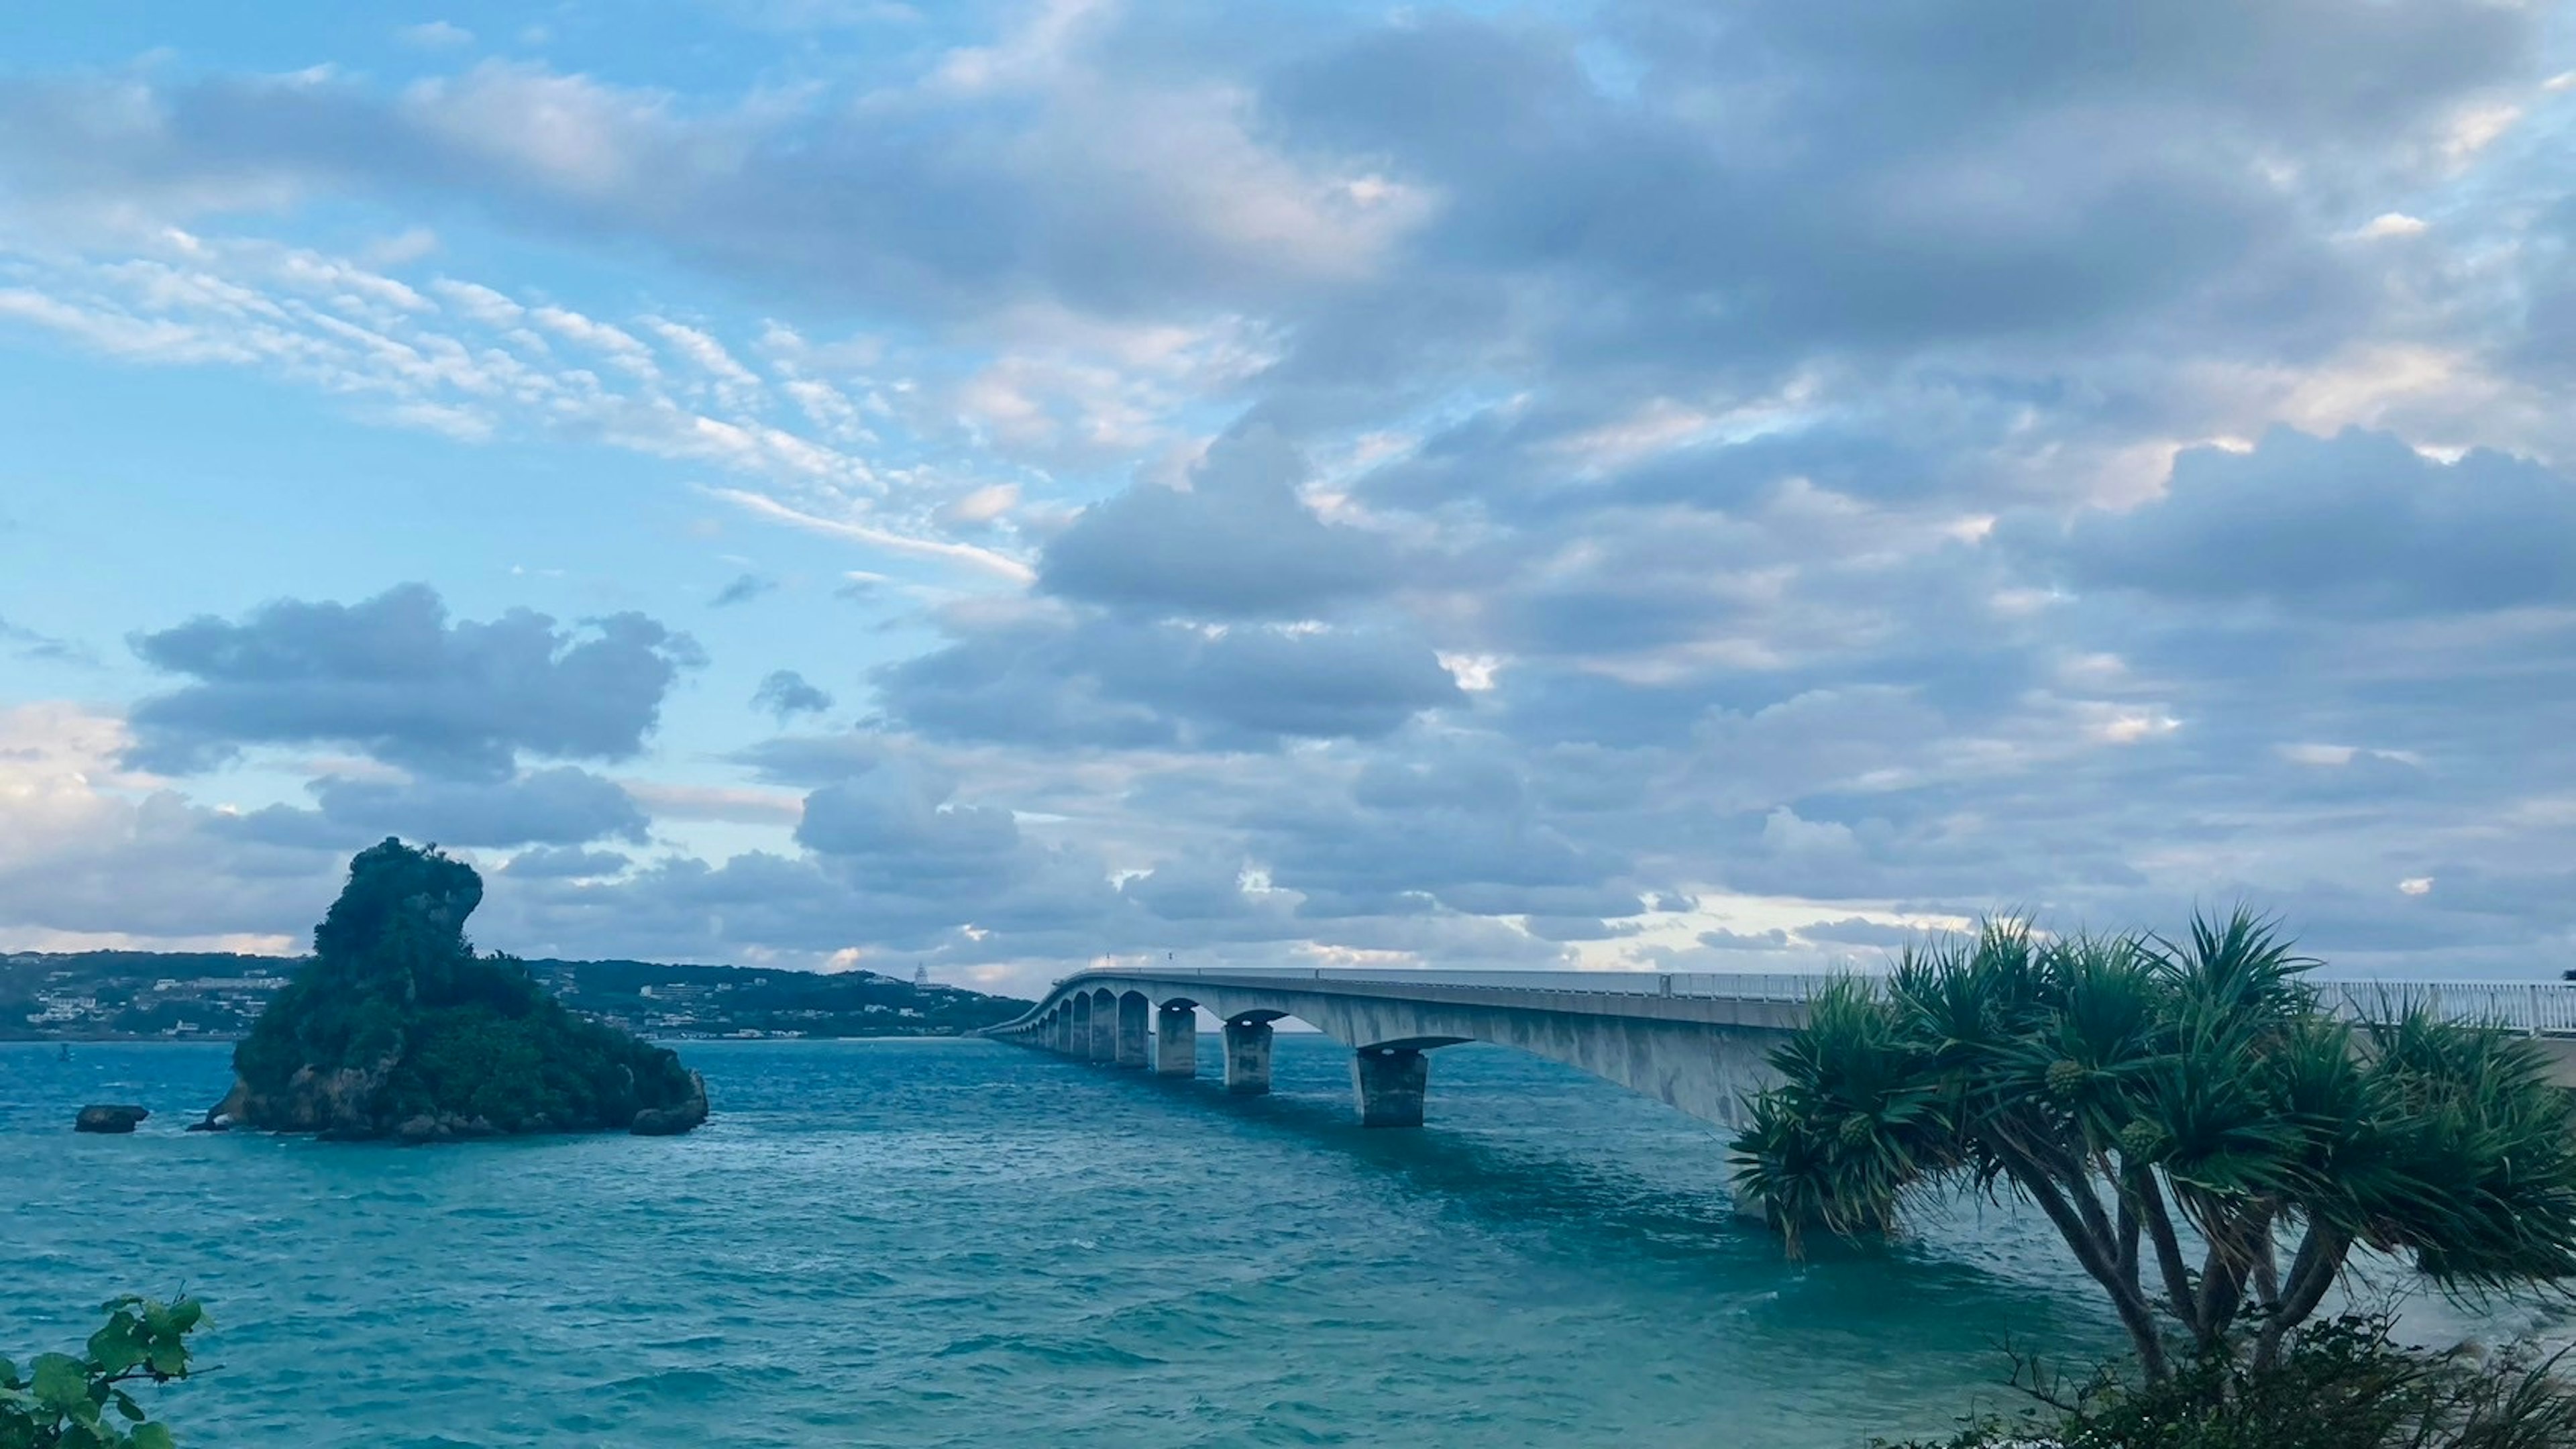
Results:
x,y
163,996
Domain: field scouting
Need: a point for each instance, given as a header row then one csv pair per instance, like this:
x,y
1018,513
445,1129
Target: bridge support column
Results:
x,y
1103,1045
1176,1041
1060,1030
1132,1013
1390,1081
1247,1056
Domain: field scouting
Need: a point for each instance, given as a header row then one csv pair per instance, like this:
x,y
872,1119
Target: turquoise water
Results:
x,y
963,1243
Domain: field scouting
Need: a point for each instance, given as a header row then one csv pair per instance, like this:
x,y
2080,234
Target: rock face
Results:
x,y
108,1117
672,1121
397,1029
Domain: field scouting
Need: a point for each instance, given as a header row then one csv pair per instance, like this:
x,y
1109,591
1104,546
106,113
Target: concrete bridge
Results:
x,y
1699,1041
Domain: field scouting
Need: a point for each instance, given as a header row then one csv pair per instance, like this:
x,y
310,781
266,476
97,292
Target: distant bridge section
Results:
x,y
1699,1041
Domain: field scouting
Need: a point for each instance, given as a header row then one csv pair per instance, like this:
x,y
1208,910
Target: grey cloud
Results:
x,y
742,590
785,693
171,869
816,759
1194,890
392,676
1853,931
1238,543
899,823
1774,188
1101,681
564,862
924,867
559,806
2357,525
1110,196
29,644
1774,939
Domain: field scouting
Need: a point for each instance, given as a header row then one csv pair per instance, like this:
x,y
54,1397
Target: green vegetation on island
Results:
x,y
204,996
396,1028
2214,1149
84,1400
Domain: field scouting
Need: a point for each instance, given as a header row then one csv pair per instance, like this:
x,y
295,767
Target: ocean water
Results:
x,y
965,1243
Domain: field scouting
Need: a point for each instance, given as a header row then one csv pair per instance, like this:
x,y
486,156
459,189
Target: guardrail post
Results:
x,y
2534,993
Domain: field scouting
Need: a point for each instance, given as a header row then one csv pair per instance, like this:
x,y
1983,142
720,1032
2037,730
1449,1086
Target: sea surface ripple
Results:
x,y
963,1243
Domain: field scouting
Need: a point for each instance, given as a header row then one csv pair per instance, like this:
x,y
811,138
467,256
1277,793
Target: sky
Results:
x,y
1649,484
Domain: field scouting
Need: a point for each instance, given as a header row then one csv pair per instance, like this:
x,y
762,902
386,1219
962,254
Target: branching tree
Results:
x,y
2210,1143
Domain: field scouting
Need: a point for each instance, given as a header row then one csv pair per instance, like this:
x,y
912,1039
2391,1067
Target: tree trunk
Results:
x,y
2169,1259
2312,1272
2101,1260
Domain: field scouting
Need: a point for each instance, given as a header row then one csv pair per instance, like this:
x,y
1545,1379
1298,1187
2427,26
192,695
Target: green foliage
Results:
x,y
395,995
2134,1088
2340,1383
80,1401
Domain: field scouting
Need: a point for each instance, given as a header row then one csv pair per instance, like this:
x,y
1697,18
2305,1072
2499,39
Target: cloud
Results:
x,y
563,862
1853,931
29,644
559,806
435,35
1238,543
1460,487
1043,676
393,677
742,590
2355,526
785,693
1774,939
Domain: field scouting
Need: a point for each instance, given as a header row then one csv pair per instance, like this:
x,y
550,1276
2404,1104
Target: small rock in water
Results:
x,y
672,1121
109,1117
215,1122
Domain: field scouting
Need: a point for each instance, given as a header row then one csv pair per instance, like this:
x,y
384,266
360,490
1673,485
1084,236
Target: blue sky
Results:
x,y
1636,484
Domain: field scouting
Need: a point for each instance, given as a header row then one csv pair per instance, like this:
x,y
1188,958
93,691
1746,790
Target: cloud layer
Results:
x,y
1703,488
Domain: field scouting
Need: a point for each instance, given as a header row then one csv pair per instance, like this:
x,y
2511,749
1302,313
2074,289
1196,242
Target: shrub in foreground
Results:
x,y
82,1401
2339,1383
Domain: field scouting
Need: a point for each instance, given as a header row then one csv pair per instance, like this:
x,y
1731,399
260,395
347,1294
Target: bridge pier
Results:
x,y
1176,1041
1390,1083
1103,1046
1133,1011
1247,1056
1060,1031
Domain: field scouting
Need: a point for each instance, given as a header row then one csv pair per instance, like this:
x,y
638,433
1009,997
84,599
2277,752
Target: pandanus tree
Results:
x,y
2212,1145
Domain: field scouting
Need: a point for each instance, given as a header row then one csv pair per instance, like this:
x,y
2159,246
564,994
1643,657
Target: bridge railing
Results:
x,y
2543,1008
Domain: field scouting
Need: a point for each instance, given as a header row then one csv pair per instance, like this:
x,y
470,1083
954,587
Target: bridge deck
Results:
x,y
2546,1008
1700,1041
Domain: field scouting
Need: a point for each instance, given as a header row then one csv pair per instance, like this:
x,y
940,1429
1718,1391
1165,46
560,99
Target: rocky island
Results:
x,y
396,1028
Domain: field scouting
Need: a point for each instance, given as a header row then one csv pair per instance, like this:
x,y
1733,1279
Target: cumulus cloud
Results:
x,y
559,806
2358,525
1048,678
564,862
785,693
394,677
1237,543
